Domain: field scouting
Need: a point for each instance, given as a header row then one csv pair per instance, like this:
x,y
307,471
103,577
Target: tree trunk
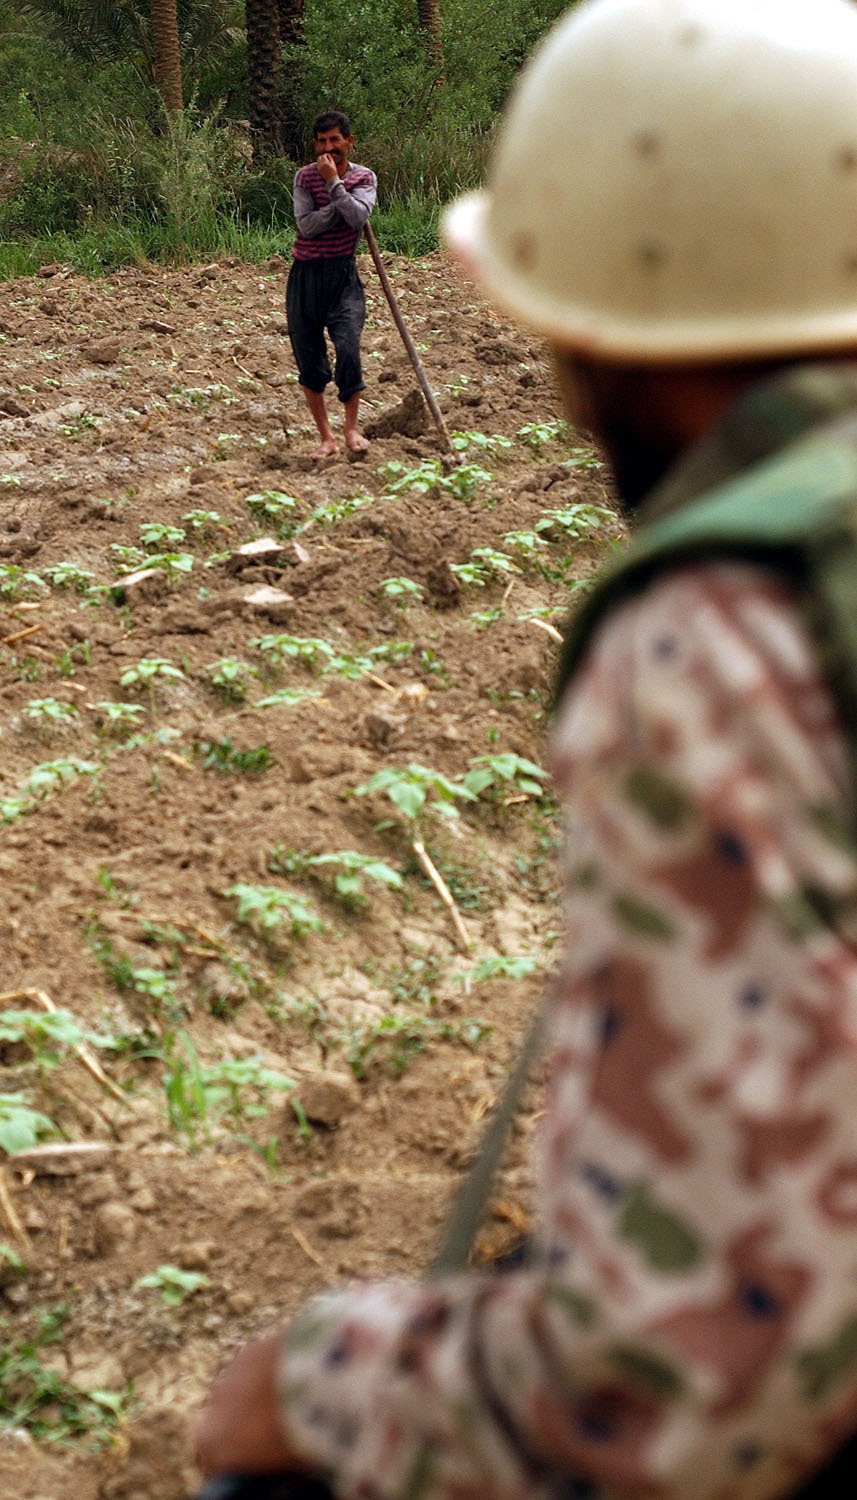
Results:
x,y
263,67
428,15
291,17
166,57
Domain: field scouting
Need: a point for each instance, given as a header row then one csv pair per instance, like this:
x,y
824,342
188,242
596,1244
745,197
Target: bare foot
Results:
x,y
327,446
356,441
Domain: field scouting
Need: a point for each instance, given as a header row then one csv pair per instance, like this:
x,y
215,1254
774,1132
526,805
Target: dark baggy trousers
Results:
x,y
326,294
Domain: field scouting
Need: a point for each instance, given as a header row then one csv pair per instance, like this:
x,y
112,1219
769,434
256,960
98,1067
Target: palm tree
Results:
x,y
428,15
114,30
263,67
166,57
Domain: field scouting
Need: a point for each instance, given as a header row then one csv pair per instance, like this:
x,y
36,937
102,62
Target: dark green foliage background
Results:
x,y
88,173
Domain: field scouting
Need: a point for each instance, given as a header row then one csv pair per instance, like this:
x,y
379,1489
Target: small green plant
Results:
x,y
66,575
221,755
173,1285
50,712
526,542
199,1095
481,619
231,678
395,1040
338,510
35,1397
83,422
71,657
51,775
201,396
118,714
203,522
575,521
147,673
409,788
287,696
430,476
302,648
158,534
21,1126
351,870
505,966
276,509
15,580
266,910
505,770
46,1033
483,565
462,442
401,589
539,434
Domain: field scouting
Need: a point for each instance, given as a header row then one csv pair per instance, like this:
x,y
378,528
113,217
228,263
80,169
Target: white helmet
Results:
x,y
677,179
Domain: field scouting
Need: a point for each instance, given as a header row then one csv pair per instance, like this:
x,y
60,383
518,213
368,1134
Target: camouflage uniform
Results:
x,y
690,1328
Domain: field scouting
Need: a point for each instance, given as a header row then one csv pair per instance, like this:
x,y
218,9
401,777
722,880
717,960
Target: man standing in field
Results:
x,y
333,198
686,1327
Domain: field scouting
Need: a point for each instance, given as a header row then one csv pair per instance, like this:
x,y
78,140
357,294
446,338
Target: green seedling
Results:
x,y
351,871
575,521
266,910
50,712
481,619
173,1285
46,1034
66,575
527,542
11,1264
36,1398
118,714
288,696
201,396
429,475
274,508
83,422
482,566
496,443
21,1126
396,1040
221,755
410,788
492,773
505,966
539,434
127,557
307,649
231,678
15,581
200,1095
203,522
402,589
157,534
149,671
51,775
339,510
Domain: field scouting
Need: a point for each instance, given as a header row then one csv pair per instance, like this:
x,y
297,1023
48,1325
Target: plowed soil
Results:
x,y
279,1039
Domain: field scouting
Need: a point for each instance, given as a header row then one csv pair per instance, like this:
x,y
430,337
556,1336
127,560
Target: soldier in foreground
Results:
x,y
686,1328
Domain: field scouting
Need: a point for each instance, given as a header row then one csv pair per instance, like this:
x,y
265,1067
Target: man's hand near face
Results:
x,y
327,167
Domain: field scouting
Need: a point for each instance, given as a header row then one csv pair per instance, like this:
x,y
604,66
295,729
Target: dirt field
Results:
x,y
276,1041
